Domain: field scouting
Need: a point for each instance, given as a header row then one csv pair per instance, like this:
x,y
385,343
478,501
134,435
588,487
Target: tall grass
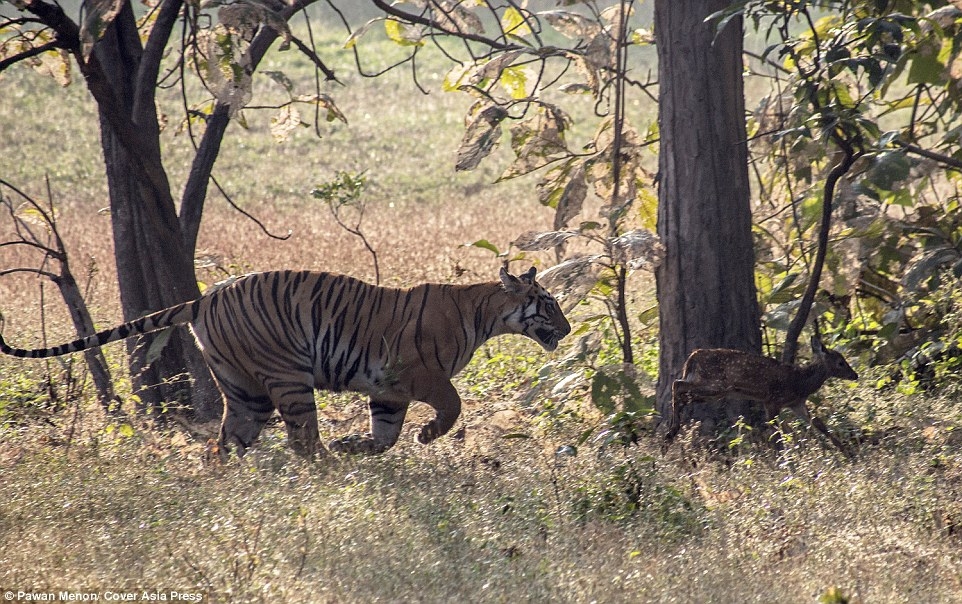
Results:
x,y
88,502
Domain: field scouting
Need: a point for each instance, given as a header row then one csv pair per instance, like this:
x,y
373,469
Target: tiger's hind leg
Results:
x,y
294,399
386,420
246,409
244,418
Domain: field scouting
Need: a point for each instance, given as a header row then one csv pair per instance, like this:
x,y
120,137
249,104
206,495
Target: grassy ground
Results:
x,y
88,502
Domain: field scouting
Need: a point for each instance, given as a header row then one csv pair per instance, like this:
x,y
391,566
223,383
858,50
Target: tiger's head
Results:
x,y
537,314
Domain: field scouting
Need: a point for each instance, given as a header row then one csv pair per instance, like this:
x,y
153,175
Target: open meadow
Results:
x,y
508,508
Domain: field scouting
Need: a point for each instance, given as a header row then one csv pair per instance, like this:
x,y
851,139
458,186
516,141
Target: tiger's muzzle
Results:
x,y
549,336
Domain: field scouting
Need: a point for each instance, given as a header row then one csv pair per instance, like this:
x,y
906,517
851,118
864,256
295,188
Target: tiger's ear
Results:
x,y
511,283
528,277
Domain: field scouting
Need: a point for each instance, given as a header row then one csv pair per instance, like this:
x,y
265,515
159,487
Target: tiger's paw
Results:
x,y
429,432
357,444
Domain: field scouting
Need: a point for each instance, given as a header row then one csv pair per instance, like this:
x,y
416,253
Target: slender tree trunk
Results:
x,y
706,287
84,326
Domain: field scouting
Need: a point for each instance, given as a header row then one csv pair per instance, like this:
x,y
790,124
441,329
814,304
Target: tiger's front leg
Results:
x,y
386,421
441,394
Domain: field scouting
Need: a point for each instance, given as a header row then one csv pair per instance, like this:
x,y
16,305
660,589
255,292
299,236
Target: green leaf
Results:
x,y
842,94
782,291
514,80
926,69
649,315
157,345
889,331
513,23
888,169
485,245
402,33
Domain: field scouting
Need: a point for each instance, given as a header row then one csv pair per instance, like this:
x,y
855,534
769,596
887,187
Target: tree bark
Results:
x,y
84,325
154,267
706,287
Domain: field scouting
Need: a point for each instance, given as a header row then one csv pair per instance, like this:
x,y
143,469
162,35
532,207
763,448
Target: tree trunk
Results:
x,y
84,326
154,267
706,287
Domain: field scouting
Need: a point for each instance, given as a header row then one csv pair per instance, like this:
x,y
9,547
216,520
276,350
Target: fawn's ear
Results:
x,y
817,347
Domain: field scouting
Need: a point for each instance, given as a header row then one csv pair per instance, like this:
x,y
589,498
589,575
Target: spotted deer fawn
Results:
x,y
717,374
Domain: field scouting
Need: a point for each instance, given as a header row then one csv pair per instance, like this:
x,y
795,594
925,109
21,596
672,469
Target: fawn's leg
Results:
x,y
679,400
801,410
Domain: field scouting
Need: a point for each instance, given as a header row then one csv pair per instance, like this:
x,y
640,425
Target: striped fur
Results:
x,y
271,338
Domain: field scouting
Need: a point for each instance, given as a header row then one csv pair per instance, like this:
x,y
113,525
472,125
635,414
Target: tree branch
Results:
x,y
327,71
947,160
32,52
808,298
393,11
195,191
150,60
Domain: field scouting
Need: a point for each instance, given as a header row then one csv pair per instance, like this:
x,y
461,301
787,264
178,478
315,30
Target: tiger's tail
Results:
x,y
175,315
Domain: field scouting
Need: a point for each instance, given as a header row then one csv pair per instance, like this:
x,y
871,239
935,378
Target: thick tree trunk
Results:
x,y
706,287
154,267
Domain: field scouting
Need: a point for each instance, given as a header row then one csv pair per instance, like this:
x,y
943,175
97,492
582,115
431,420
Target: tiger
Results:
x,y
272,338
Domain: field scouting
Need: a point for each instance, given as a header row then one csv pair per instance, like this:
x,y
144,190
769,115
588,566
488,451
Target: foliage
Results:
x,y
936,359
342,195
879,82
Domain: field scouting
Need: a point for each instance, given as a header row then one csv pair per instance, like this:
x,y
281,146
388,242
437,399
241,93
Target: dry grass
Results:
x,y
483,519
87,503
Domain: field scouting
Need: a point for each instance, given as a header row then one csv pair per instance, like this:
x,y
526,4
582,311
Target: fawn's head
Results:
x,y
833,361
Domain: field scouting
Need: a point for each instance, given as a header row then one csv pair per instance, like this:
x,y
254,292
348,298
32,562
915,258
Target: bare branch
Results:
x,y
248,215
392,10
36,271
32,52
947,160
154,49
307,50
